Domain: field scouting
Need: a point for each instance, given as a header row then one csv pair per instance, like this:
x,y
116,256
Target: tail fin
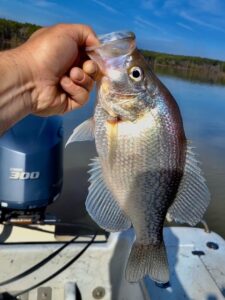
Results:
x,y
147,260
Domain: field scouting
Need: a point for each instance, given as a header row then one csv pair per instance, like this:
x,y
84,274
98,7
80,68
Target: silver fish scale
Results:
x,y
142,173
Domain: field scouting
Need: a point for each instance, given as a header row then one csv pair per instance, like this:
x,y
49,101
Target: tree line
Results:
x,y
14,33
190,67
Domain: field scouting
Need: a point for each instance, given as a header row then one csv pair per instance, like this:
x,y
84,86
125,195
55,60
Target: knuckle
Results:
x,y
59,27
82,96
38,32
87,28
87,82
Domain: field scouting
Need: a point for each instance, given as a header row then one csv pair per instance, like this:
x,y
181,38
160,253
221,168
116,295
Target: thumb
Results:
x,y
84,35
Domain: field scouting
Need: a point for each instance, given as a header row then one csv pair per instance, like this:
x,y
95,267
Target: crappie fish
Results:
x,y
145,169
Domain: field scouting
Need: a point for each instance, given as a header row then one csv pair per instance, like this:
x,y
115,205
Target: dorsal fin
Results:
x,y
100,203
193,196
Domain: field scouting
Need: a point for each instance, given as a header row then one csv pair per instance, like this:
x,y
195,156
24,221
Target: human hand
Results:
x,y
60,74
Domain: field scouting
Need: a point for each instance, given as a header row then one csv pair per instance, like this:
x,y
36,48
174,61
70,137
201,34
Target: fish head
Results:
x,y
123,89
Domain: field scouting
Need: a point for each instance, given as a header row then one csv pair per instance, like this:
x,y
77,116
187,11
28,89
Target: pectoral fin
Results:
x,y
193,195
100,203
83,132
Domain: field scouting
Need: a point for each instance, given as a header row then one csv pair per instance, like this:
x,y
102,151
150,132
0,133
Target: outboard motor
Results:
x,y
31,169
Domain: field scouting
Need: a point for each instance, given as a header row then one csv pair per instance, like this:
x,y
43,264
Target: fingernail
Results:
x,y
92,68
77,74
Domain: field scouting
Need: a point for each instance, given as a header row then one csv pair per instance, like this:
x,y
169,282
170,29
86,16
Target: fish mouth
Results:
x,y
111,38
111,46
116,35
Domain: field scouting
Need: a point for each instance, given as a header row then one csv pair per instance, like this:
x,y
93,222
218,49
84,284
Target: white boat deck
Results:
x,y
193,276
99,272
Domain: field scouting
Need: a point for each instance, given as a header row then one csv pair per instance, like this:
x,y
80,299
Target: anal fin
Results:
x,y
100,203
193,196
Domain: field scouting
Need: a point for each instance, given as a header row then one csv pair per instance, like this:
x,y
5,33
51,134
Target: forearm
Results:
x,y
15,88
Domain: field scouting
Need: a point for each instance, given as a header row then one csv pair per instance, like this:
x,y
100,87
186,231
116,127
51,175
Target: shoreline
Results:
x,y
193,68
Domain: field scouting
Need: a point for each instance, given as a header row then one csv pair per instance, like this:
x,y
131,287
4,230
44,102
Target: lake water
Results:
x,y
203,109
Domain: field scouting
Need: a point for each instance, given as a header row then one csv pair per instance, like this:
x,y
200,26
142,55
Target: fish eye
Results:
x,y
135,73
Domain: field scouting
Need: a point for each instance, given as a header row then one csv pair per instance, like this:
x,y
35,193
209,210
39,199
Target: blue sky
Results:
x,y
189,27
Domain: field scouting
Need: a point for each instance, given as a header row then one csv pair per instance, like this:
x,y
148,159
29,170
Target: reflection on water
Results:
x,y
203,110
